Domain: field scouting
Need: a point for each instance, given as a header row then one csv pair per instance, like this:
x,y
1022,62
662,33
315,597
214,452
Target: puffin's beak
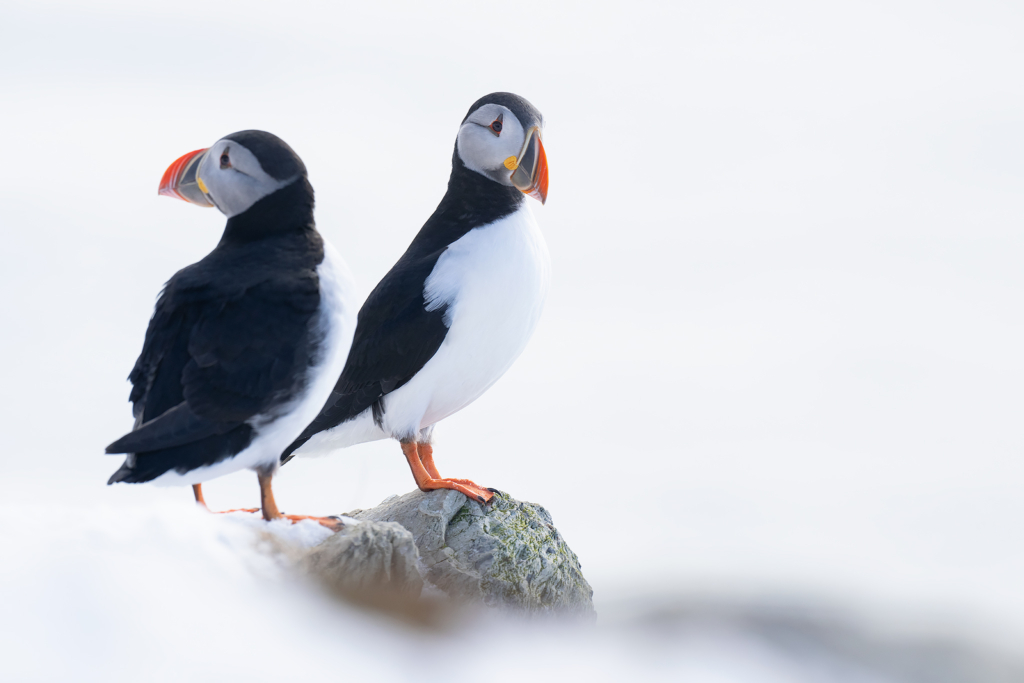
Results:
x,y
180,179
530,172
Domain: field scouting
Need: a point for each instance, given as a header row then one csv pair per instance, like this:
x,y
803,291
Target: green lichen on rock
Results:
x,y
529,565
505,554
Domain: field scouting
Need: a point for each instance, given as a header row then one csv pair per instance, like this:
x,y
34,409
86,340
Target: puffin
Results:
x,y
246,345
457,309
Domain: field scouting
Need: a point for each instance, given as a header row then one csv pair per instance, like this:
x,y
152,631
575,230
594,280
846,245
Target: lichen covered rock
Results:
x,y
368,557
507,553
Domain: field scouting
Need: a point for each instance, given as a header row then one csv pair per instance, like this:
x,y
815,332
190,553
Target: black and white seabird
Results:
x,y
246,345
458,307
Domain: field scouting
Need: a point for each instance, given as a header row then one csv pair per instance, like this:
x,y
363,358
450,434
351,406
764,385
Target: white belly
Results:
x,y
494,281
275,433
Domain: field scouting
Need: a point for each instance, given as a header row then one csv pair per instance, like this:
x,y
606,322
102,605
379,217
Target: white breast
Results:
x,y
494,281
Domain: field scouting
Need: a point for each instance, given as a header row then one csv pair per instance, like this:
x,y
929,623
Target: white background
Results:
x,y
782,351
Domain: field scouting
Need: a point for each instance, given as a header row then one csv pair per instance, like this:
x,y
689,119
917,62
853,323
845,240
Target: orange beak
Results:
x,y
181,179
539,189
531,174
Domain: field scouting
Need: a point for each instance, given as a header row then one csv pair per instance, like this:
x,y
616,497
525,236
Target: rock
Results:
x,y
368,558
507,553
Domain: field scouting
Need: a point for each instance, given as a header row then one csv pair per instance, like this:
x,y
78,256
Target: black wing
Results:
x,y
218,351
395,337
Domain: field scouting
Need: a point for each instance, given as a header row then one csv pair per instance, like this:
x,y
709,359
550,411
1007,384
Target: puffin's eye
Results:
x,y
225,162
496,125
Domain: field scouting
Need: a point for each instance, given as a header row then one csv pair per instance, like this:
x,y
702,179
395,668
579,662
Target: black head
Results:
x,y
527,114
277,159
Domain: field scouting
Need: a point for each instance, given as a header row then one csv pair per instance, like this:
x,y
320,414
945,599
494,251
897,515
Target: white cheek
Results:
x,y
485,153
236,193
473,148
233,191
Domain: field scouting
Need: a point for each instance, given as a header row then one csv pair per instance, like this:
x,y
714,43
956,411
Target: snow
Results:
x,y
171,592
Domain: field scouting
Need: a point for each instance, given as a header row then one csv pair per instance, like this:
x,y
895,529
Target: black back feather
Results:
x,y
231,338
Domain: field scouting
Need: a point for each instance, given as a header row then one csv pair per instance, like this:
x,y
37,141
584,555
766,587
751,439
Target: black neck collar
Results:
x,y
472,200
289,209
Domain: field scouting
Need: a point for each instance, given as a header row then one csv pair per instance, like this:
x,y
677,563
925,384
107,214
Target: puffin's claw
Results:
x,y
463,486
332,523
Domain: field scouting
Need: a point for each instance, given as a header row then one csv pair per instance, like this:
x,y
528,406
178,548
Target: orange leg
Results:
x,y
197,491
426,452
267,502
426,482
270,510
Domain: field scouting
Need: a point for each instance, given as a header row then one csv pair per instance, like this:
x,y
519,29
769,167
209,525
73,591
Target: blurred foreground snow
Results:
x,y
169,592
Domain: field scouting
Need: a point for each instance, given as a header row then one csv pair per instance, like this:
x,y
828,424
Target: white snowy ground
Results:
x,y
163,594
781,359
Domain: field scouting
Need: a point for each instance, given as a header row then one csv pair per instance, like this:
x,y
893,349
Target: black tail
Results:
x,y
147,466
289,452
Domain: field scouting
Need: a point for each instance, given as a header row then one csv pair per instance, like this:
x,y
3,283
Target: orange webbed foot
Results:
x,y
332,523
197,490
421,461
466,487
